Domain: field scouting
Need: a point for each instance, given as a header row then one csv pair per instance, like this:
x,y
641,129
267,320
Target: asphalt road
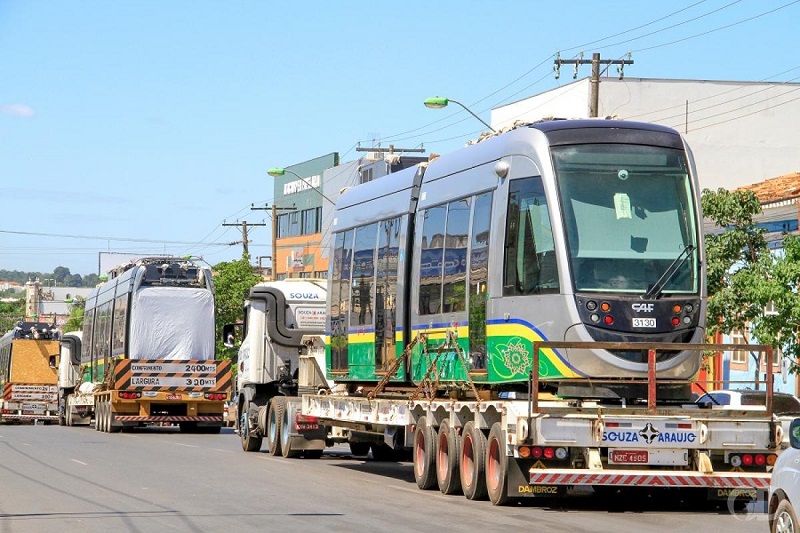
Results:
x,y
75,479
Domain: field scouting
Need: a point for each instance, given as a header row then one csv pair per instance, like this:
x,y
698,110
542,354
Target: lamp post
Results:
x,y
438,102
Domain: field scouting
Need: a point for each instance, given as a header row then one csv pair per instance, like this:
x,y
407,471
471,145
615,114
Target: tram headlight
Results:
x,y
591,305
689,308
595,317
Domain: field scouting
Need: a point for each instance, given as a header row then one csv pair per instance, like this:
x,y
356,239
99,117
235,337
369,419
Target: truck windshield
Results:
x,y
628,212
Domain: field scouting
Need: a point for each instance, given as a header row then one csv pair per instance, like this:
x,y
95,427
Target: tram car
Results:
x,y
562,230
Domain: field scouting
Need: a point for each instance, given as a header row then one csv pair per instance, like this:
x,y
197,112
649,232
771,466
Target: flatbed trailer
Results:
x,y
507,448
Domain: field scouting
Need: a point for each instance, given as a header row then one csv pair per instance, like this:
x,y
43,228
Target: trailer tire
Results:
x,y
424,455
472,462
497,466
277,405
113,427
359,449
449,446
250,442
285,435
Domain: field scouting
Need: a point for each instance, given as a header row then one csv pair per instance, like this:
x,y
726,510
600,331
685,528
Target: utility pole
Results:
x,y
245,241
274,208
594,96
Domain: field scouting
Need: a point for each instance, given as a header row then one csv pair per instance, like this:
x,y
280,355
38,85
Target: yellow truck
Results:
x,y
28,373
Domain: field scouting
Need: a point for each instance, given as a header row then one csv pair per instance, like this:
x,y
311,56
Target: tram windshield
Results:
x,y
628,213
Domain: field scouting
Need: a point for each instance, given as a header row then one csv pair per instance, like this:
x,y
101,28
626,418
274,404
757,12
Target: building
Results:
x,y
50,304
740,132
305,198
780,203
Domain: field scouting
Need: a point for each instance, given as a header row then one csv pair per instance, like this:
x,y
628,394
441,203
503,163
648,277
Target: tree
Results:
x,y
232,283
75,320
744,277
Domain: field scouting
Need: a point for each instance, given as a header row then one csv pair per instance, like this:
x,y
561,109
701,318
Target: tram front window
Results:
x,y
628,212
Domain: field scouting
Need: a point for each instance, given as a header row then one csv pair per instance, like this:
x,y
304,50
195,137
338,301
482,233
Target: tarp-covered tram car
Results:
x,y
561,230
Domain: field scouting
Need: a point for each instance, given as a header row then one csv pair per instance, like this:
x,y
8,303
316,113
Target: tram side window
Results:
x,y
386,291
431,259
88,330
454,288
363,275
118,328
530,261
478,280
340,299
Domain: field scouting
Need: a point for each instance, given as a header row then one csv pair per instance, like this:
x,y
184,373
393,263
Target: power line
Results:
x,y
100,238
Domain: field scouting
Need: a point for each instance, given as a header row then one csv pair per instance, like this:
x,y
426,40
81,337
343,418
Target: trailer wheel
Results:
x,y
472,461
96,415
113,427
497,466
285,431
101,416
447,451
424,455
250,442
277,405
359,449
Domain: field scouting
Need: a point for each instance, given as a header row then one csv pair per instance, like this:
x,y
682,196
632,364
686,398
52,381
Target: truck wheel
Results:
x,y
277,405
472,461
359,449
497,466
447,459
285,434
250,442
381,452
68,411
96,415
424,455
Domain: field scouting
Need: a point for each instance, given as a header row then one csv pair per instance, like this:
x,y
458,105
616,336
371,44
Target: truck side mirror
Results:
x,y
229,335
794,433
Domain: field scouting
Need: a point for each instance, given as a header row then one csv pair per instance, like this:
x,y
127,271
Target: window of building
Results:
x,y
311,221
740,336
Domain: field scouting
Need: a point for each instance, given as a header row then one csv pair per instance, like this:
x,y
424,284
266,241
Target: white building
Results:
x,y
740,132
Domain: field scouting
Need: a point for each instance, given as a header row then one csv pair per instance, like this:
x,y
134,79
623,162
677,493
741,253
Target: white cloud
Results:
x,y
18,110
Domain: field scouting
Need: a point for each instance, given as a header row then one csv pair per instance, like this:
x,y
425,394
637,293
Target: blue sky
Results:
x,y
145,125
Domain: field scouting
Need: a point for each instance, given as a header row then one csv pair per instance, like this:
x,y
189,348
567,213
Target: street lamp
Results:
x,y
277,172
438,102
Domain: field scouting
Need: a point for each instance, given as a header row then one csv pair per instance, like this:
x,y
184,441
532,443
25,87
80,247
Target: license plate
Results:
x,y
628,457
307,426
644,322
622,456
173,396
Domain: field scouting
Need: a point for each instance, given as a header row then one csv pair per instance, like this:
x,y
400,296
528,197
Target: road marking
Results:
x,y
80,462
185,445
221,450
